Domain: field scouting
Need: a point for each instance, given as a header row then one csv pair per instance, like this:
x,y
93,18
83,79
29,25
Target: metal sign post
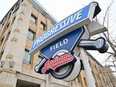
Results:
x,y
89,76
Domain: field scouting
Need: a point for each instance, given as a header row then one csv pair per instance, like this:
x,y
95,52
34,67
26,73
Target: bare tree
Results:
x,y
112,42
108,37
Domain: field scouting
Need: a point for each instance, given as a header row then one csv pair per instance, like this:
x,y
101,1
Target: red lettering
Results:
x,y
57,62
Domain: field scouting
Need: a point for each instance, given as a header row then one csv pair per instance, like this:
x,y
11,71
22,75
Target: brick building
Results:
x,y
23,23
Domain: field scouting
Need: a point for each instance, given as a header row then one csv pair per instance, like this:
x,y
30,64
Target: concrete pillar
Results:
x,y
17,40
7,75
7,79
42,84
48,80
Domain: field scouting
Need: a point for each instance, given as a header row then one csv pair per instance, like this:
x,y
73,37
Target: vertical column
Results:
x,y
16,43
88,73
48,80
43,84
7,75
7,79
15,46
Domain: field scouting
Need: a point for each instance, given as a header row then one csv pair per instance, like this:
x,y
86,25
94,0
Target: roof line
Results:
x,y
8,12
39,7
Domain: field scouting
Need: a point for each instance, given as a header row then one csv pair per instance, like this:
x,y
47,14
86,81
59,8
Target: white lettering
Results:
x,y
45,35
68,20
72,18
53,30
65,41
59,44
51,48
48,33
64,23
36,42
79,15
58,26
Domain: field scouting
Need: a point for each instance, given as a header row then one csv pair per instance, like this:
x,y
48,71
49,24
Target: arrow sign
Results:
x,y
67,42
78,19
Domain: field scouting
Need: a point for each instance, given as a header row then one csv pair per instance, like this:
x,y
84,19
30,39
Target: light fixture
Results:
x,y
11,64
2,63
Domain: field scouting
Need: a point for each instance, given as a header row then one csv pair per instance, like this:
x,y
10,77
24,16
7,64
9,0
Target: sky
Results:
x,y
63,8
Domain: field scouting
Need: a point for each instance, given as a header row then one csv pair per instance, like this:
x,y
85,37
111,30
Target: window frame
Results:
x,y
43,26
2,40
33,19
26,55
30,32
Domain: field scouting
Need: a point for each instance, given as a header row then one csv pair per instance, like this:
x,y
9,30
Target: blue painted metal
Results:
x,y
63,25
67,42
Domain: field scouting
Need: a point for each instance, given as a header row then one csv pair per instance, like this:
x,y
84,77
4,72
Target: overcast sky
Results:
x,y
58,8
62,8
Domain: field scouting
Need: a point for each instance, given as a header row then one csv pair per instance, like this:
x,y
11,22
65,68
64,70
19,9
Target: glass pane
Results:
x,y
27,58
33,19
42,26
30,35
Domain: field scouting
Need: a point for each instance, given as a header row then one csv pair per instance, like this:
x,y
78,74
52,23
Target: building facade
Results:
x,y
23,23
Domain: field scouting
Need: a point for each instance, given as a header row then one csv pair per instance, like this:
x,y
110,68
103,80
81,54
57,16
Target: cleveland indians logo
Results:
x,y
59,59
57,62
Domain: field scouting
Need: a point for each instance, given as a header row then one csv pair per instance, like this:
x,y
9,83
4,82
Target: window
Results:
x,y
8,25
13,19
16,6
33,19
42,26
27,58
31,35
1,41
7,36
1,54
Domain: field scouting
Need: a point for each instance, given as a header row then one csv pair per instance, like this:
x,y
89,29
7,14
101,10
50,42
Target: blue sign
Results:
x,y
78,19
67,42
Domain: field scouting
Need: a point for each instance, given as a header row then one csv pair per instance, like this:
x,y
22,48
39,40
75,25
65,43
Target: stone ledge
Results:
x,y
8,70
9,56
